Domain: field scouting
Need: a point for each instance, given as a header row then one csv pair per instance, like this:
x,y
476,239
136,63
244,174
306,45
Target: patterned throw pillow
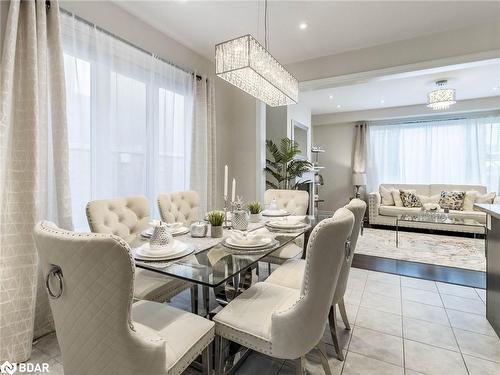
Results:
x,y
409,198
453,200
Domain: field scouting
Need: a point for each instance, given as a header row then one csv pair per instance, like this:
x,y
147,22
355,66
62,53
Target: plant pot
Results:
x,y
255,218
216,231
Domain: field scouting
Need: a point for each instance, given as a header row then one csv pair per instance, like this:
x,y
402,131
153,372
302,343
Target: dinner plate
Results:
x,y
247,250
148,233
265,241
276,213
188,249
283,224
175,247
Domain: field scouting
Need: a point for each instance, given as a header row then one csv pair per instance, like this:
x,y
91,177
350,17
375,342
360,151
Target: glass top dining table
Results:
x,y
216,264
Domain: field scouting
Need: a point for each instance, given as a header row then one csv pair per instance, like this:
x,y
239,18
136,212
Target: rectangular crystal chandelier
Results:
x,y
244,63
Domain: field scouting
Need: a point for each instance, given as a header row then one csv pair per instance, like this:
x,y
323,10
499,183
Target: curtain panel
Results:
x,y
33,166
130,119
359,162
204,158
443,151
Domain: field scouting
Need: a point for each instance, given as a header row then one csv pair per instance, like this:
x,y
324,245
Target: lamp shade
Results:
x,y
359,179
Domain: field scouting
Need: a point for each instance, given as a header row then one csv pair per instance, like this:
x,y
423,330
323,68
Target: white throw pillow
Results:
x,y
470,198
398,202
386,195
426,199
485,198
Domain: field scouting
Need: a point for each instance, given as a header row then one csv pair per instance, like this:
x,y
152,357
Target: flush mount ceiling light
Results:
x,y
246,64
442,98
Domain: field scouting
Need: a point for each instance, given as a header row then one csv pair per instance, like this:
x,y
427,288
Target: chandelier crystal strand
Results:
x,y
246,64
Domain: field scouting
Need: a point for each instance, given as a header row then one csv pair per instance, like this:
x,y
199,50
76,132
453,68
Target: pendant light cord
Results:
x,y
266,35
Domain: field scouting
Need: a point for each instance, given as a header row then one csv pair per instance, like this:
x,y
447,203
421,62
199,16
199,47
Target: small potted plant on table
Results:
x,y
216,219
255,212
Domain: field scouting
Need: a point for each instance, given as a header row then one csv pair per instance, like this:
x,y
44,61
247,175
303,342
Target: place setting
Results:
x,y
274,211
245,242
162,245
288,224
176,229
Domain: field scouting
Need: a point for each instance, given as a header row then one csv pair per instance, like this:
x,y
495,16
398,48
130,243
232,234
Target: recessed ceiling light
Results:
x,y
382,101
338,106
330,97
495,88
303,26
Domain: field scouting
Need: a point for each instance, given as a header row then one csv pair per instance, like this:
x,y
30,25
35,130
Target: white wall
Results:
x,y
338,141
276,123
466,41
462,106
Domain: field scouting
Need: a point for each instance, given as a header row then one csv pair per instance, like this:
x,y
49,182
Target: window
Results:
x,y
450,151
129,118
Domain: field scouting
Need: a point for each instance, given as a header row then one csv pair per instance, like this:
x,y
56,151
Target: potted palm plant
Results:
x,y
282,165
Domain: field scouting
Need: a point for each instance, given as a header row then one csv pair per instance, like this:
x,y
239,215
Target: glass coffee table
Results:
x,y
438,218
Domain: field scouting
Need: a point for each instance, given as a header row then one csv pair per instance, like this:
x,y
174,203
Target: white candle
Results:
x,y
234,190
225,181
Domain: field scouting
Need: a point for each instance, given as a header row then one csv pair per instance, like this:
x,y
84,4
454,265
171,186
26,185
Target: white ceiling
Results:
x,y
477,81
333,26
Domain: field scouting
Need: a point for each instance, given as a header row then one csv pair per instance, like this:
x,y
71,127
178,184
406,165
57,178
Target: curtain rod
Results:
x,y
125,41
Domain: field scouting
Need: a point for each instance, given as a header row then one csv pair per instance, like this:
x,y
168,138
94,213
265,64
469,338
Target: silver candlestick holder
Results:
x,y
227,207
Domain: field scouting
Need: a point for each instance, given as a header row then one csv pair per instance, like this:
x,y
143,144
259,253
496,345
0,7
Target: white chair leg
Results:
x,y
324,359
343,313
206,360
333,330
300,366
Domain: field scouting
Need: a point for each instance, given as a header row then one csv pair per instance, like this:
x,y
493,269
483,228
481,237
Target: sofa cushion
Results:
x,y
409,199
395,211
396,195
429,199
453,200
438,188
386,195
470,198
419,188
485,198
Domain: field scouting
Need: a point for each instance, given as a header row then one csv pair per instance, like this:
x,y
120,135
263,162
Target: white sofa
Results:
x,y
387,215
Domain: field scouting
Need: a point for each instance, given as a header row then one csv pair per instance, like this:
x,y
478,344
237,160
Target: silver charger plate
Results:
x,y
282,230
247,250
283,214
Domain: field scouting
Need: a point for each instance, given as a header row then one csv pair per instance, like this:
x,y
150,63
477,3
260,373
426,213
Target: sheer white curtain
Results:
x,y
456,151
130,119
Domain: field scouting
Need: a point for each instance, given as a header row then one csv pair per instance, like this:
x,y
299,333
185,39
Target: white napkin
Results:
x,y
173,226
247,239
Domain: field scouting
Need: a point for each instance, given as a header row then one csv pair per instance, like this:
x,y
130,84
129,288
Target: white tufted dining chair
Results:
x,y
181,206
297,202
126,218
98,328
284,322
291,275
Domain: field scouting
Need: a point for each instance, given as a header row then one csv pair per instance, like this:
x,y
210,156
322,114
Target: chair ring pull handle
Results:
x,y
54,272
347,249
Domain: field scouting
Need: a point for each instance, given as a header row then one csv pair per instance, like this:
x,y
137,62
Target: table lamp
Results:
x,y
358,180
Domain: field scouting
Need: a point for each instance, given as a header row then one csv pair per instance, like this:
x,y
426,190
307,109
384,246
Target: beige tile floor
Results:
x,y
400,325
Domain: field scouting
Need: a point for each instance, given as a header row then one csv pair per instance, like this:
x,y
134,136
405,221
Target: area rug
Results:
x,y
440,249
